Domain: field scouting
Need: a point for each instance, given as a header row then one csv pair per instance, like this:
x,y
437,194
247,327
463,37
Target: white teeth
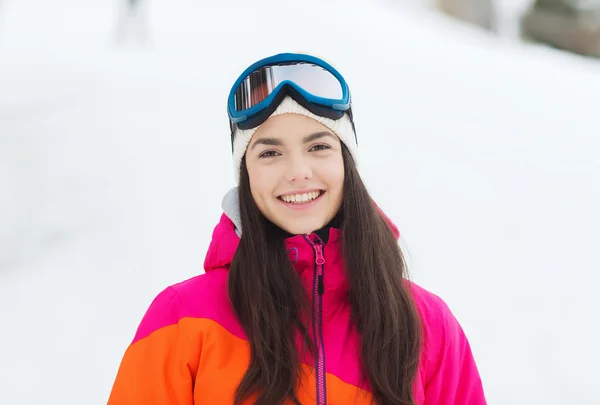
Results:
x,y
301,198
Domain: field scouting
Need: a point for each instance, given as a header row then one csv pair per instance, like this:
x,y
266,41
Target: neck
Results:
x,y
322,233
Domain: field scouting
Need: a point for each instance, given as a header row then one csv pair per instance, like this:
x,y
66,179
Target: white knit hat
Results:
x,y
342,127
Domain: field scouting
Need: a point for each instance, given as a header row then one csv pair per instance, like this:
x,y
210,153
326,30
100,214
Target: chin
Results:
x,y
300,227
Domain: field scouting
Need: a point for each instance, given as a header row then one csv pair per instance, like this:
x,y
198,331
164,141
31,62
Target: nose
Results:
x,y
298,169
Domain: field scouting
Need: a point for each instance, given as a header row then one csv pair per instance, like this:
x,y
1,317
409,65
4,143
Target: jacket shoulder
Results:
x,y
439,326
448,366
432,308
201,297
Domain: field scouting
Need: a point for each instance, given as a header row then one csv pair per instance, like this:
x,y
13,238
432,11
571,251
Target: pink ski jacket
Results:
x,y
190,348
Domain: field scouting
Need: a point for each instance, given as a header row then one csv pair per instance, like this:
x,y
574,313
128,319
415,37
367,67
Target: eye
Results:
x,y
268,154
319,147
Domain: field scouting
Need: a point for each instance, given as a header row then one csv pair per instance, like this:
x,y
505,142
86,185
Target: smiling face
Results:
x,y
296,172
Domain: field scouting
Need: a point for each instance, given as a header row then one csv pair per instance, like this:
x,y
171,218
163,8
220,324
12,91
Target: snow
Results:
x,y
114,159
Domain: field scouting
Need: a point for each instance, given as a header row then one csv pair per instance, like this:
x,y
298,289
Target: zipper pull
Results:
x,y
320,258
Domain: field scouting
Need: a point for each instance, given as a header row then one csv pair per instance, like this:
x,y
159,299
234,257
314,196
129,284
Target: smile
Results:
x,y
302,198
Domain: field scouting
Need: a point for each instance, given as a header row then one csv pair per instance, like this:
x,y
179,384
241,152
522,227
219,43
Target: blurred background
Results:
x,y
478,125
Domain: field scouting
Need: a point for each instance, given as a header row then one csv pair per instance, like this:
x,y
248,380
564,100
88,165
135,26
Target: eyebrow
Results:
x,y
306,139
317,135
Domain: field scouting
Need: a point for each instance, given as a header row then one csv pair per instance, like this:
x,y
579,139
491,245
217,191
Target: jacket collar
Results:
x,y
226,236
225,241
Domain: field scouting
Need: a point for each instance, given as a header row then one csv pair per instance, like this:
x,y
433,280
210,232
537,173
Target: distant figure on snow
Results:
x,y
132,24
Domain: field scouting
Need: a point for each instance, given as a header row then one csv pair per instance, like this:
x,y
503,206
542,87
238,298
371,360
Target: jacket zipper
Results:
x,y
318,290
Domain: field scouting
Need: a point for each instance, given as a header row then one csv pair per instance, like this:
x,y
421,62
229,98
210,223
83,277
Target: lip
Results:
x,y
305,206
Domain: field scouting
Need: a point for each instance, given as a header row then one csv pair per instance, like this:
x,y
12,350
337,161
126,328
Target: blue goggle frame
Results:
x,y
335,108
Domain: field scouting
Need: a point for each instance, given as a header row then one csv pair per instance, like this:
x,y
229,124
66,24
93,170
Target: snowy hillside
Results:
x,y
114,159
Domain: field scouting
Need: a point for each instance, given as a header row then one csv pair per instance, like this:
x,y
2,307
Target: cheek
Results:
x,y
256,188
262,184
335,174
255,184
338,187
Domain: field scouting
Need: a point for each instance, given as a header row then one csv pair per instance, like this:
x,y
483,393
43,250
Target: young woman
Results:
x,y
305,298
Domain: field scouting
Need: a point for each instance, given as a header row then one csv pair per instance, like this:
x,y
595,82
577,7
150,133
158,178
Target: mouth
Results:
x,y
301,198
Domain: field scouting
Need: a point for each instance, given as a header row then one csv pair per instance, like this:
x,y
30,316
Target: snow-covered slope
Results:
x,y
114,159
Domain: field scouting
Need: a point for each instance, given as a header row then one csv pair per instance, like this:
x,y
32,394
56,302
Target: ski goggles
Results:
x,y
310,81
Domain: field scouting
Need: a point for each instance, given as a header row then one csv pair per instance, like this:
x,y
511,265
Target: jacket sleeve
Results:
x,y
155,367
452,377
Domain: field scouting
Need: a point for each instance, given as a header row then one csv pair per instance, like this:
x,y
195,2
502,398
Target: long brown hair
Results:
x,y
271,303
